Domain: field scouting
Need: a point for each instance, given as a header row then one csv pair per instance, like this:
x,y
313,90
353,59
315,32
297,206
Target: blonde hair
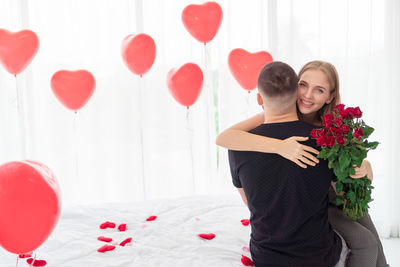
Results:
x,y
333,79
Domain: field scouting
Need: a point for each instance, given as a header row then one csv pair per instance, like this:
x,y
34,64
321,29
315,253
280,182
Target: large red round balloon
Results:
x,y
246,67
185,83
202,21
30,205
17,49
138,53
73,88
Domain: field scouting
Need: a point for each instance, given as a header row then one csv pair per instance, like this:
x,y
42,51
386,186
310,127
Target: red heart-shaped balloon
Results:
x,y
202,21
185,83
30,205
17,49
73,88
246,67
138,53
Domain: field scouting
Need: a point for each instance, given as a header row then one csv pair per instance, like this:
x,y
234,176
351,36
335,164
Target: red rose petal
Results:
x,y
151,218
245,222
39,263
106,248
126,241
23,256
36,262
246,261
105,239
122,227
107,225
104,225
207,236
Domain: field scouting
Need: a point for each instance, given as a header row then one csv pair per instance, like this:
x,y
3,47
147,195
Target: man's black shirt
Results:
x,y
288,204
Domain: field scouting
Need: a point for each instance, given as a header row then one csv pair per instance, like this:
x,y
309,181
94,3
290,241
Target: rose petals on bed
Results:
x,y
122,227
126,241
107,225
151,218
246,261
105,239
26,255
36,262
106,248
245,222
207,236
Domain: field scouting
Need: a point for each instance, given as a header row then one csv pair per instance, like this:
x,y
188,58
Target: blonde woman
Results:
x,y
318,93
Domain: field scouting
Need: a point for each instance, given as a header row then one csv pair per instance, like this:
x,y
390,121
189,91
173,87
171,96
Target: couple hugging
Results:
x,y
286,188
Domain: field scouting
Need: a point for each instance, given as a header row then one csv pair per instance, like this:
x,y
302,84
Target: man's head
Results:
x,y
277,87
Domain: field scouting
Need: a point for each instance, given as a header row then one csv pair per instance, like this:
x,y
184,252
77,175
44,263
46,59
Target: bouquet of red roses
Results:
x,y
344,144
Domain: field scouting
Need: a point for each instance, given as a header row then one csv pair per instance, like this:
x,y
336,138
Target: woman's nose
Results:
x,y
308,93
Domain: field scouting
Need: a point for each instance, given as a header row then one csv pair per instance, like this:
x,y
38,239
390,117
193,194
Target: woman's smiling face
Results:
x,y
313,91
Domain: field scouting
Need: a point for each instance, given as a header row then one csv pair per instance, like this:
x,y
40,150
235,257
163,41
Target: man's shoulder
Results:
x,y
277,126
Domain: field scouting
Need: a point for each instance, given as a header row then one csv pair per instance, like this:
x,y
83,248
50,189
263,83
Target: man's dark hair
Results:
x,y
277,79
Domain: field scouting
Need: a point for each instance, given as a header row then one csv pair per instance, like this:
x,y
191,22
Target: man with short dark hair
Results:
x,y
288,204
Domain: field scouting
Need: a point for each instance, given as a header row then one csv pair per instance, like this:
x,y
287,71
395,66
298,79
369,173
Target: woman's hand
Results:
x,y
290,149
364,170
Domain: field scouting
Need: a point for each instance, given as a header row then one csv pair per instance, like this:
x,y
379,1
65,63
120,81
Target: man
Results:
x,y
288,204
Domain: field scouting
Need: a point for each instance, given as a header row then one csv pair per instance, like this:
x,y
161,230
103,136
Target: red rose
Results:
x,y
345,129
335,131
358,133
338,122
339,107
321,141
328,120
314,133
346,113
356,112
330,141
341,140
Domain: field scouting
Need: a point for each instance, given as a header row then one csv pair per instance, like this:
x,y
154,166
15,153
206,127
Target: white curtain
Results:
x,y
133,141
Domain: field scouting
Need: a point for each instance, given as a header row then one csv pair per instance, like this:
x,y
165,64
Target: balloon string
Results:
x,y
141,136
190,132
20,108
76,150
34,259
209,101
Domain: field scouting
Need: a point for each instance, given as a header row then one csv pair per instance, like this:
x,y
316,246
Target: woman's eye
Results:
x,y
302,84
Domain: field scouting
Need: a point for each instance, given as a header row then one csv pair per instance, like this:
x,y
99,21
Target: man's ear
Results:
x,y
259,99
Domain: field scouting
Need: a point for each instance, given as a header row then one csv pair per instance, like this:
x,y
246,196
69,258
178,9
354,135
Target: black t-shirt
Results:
x,y
288,204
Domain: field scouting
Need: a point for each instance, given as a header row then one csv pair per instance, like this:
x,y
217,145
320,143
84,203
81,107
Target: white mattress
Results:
x,y
170,240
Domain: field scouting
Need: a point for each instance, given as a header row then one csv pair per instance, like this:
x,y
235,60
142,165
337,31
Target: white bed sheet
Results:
x,y
170,240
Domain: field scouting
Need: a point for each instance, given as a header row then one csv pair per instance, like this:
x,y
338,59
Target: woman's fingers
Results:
x,y
309,156
299,163
307,161
310,149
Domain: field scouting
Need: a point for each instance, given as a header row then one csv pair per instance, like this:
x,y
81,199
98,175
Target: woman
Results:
x,y
318,93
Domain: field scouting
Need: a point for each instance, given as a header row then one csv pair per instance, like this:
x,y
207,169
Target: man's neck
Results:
x,y
312,118
274,118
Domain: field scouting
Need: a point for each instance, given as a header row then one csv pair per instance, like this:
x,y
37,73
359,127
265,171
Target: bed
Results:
x,y
169,240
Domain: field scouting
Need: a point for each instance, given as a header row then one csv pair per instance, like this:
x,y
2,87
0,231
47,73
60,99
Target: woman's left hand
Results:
x,y
364,170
